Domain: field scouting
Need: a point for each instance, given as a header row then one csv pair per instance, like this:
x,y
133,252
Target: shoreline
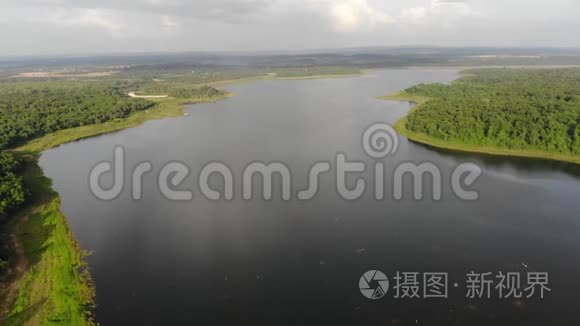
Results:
x,y
400,127
273,76
166,108
33,292
27,288
52,278
350,75
45,202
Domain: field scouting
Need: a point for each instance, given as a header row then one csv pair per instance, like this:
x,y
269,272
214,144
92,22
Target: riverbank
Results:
x,y
166,108
50,281
401,127
275,76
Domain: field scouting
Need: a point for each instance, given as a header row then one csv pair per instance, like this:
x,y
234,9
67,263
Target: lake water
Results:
x,y
274,262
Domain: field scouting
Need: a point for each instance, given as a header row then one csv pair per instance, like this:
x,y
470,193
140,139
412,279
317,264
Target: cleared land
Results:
x,y
65,74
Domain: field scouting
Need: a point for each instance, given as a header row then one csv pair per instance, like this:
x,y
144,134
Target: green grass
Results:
x,y
401,127
56,289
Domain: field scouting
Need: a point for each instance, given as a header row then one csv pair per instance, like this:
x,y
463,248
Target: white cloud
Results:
x,y
169,23
95,17
110,21
363,16
438,12
116,23
102,25
414,15
350,15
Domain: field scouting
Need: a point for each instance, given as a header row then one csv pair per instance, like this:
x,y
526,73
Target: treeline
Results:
x,y
12,195
204,92
155,80
31,112
315,71
514,109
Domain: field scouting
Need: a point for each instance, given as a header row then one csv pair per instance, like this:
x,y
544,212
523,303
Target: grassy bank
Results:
x,y
56,287
166,108
401,127
50,284
405,97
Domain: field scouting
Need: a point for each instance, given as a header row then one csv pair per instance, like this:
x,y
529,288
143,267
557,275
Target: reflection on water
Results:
x,y
295,263
514,164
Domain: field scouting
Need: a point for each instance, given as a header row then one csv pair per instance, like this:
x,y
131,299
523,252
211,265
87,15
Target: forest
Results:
x,y
31,111
12,195
204,92
522,109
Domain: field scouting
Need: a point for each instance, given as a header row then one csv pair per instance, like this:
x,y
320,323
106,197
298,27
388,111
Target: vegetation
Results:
x,y
43,279
178,83
528,112
155,80
165,108
495,110
404,96
56,288
27,113
201,93
12,195
310,72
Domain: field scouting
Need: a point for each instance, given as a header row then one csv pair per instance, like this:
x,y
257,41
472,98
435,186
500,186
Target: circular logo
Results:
x,y
380,140
374,284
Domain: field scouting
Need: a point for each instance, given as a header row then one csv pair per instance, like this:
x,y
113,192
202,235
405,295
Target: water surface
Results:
x,y
297,263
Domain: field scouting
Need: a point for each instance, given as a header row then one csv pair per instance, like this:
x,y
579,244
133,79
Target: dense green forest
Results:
x,y
27,112
12,195
523,109
11,192
31,110
204,92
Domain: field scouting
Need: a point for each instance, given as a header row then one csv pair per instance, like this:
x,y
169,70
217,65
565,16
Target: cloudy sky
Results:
x,y
99,26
